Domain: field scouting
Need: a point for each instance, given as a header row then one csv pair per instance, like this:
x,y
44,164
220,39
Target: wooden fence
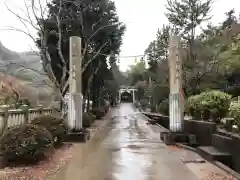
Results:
x,y
13,117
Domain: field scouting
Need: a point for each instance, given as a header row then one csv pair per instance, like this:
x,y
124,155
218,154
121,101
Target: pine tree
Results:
x,y
186,16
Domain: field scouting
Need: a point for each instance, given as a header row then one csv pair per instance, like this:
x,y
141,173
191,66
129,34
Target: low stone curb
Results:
x,y
186,147
215,163
226,169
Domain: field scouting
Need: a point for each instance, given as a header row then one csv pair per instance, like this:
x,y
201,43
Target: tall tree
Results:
x,y
96,22
230,19
186,16
157,51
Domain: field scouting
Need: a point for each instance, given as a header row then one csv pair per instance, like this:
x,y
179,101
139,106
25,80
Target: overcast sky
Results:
x,y
142,18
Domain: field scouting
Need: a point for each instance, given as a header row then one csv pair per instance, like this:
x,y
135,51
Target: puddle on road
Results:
x,y
133,158
132,146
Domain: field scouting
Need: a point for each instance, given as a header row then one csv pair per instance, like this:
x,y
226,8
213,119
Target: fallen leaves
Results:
x,y
38,172
219,176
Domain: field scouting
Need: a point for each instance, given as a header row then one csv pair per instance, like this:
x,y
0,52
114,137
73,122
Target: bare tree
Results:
x,y
10,87
32,14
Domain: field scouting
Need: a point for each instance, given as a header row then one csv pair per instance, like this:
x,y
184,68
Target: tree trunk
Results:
x,y
88,101
94,98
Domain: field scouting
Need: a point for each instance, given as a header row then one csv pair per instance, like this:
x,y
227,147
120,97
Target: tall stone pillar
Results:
x,y
119,95
75,85
133,91
175,80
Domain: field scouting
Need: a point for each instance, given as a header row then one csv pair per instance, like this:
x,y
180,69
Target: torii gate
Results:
x,y
129,89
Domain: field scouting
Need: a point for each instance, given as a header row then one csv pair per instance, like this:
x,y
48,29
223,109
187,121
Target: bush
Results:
x,y
93,117
98,112
24,101
144,103
87,120
153,107
55,125
106,108
192,107
209,105
24,145
137,104
234,112
164,107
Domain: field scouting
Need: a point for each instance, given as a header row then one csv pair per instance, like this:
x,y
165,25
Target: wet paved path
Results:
x,y
127,149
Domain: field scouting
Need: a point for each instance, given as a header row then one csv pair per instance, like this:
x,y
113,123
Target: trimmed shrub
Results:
x,y
25,144
144,103
93,117
55,125
163,107
192,107
215,104
24,101
87,120
153,107
234,112
106,108
137,104
98,112
208,105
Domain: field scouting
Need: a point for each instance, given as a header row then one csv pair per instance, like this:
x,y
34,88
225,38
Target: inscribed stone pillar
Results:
x,y
175,80
120,92
133,91
75,85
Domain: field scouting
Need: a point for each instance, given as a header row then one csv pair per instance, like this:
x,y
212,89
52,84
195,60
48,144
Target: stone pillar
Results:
x,y
133,91
86,104
119,96
75,85
175,80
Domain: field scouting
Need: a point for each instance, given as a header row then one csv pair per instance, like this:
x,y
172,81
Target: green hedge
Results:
x,y
56,126
106,108
93,117
234,112
163,107
88,119
192,107
98,112
144,104
208,105
23,145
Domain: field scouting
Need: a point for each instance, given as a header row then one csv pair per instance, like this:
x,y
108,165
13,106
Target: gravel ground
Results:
x,y
203,169
44,168
219,176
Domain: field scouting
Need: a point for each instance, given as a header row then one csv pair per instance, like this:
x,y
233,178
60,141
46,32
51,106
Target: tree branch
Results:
x,y
92,59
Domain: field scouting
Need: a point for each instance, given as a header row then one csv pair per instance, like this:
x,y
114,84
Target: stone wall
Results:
x,y
235,151
229,142
163,121
202,129
208,135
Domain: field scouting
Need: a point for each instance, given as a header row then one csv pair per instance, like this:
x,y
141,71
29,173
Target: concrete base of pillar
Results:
x,y
81,136
162,135
170,138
